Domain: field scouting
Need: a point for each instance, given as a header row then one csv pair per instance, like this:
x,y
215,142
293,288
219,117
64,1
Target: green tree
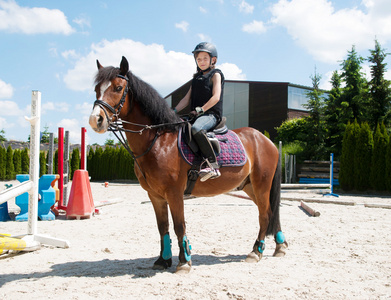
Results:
x,y
333,123
45,135
292,130
315,148
98,169
2,136
362,157
25,164
75,161
347,168
378,170
42,163
18,161
90,162
9,164
388,166
380,91
3,156
353,96
109,141
55,162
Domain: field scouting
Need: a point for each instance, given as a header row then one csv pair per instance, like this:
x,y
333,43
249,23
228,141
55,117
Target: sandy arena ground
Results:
x,y
342,254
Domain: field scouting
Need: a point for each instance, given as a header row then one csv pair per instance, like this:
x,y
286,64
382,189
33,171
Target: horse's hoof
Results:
x,y
183,268
253,257
162,264
280,249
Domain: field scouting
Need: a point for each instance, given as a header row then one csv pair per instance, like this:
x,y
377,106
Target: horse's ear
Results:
x,y
124,66
98,64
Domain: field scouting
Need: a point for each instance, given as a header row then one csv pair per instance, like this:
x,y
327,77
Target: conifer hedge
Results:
x,y
378,170
366,158
362,157
112,163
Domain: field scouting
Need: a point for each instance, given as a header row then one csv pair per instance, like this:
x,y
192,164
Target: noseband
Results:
x,y
116,109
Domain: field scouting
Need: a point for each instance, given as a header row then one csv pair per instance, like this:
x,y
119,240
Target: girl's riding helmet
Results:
x,y
206,47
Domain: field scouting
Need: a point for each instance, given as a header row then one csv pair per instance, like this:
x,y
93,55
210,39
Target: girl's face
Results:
x,y
203,60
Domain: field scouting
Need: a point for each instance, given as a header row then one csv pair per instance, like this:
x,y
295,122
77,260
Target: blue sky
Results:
x,y
52,46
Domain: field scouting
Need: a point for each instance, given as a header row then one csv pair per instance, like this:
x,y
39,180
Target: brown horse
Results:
x,y
127,104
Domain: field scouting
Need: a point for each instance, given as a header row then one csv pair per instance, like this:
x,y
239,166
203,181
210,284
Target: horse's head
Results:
x,y
111,90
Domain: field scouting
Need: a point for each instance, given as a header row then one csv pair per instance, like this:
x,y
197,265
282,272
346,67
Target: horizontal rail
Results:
x,y
304,186
15,191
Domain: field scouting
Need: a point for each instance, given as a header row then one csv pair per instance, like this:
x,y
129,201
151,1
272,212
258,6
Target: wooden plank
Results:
x,y
378,205
310,210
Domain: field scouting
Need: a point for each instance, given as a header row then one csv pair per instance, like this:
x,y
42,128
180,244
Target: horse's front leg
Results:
x,y
178,216
161,211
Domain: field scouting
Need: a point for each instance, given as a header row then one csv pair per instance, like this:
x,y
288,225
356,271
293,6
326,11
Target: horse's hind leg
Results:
x,y
161,211
263,208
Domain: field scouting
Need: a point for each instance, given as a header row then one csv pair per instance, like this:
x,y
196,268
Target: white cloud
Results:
x,y
82,22
231,71
184,26
164,70
69,54
15,18
85,108
57,106
6,90
203,10
245,7
254,27
3,123
10,108
327,33
204,38
73,126
53,52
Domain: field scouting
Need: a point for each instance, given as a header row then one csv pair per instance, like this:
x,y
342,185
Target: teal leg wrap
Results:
x,y
280,238
261,246
187,248
166,253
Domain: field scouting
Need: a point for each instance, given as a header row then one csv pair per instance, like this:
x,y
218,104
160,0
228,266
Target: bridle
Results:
x,y
116,109
116,126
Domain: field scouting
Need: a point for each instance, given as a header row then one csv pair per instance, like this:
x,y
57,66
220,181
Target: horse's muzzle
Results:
x,y
98,120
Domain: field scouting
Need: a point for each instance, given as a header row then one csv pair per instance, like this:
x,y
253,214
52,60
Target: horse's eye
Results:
x,y
118,88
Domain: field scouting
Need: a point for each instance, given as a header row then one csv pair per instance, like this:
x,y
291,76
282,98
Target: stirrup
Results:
x,y
208,172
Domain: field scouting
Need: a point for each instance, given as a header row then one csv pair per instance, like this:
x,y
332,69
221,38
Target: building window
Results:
x,y
297,97
236,104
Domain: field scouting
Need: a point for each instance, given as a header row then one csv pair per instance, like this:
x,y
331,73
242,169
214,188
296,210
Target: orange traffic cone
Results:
x,y
80,204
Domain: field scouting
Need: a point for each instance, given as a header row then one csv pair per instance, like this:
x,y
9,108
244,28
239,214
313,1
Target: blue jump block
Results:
x,y
4,216
46,201
48,197
22,200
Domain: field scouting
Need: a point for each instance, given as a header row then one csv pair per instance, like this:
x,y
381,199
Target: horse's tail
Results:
x,y
275,199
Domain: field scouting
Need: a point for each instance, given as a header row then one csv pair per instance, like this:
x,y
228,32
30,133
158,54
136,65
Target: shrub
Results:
x,y
363,157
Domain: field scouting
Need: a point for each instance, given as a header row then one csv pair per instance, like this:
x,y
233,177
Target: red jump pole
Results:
x,y
83,162
61,167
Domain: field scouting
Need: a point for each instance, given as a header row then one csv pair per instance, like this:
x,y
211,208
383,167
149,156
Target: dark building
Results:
x,y
261,105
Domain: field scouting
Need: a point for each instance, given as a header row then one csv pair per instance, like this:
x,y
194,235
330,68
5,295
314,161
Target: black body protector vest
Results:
x,y
201,92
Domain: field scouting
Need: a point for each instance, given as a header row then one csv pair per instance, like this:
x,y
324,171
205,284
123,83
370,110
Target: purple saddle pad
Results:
x,y
232,151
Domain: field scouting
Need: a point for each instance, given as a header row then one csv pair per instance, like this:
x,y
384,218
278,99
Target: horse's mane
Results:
x,y
151,103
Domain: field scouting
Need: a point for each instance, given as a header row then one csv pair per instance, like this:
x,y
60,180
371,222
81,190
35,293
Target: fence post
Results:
x,y
331,177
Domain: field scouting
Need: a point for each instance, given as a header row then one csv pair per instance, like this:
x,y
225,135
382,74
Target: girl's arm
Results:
x,y
184,102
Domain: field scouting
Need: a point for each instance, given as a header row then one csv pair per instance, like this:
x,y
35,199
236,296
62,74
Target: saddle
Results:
x,y
220,129
226,144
